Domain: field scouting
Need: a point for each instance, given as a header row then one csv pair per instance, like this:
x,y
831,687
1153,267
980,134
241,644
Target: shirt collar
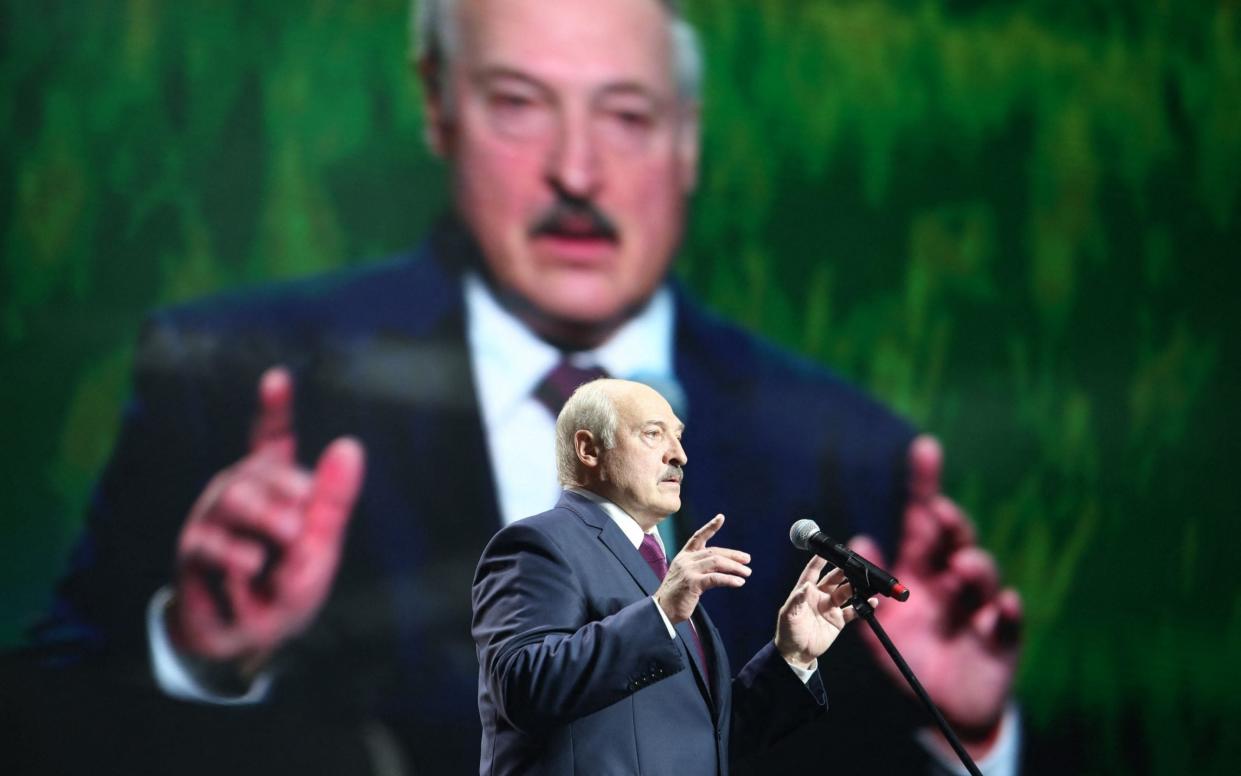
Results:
x,y
510,360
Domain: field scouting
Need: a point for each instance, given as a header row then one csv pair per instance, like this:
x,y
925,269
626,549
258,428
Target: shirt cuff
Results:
x,y
172,674
1003,759
672,632
804,674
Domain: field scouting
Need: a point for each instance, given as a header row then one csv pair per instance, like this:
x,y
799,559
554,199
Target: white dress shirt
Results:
x,y
509,362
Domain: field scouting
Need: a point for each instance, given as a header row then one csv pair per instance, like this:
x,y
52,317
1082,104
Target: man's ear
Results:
x,y
587,448
435,126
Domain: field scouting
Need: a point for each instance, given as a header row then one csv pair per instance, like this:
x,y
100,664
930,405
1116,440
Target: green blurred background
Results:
x,y
1015,222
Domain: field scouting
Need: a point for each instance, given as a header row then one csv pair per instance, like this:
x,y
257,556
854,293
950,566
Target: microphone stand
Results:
x,y
867,612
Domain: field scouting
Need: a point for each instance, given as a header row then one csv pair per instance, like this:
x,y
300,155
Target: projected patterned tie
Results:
x,y
561,382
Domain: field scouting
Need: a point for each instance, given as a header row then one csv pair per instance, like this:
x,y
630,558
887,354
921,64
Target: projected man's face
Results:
x,y
572,154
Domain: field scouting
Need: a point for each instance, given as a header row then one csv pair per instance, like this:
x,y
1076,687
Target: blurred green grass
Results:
x,y
1014,222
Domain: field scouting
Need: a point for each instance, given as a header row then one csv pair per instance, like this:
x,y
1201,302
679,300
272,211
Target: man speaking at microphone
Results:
x,y
594,655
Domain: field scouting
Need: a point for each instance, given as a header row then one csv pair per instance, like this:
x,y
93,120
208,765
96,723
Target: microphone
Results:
x,y
805,535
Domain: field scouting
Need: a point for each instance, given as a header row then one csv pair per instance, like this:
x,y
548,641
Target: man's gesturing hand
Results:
x,y
258,553
960,631
698,568
814,614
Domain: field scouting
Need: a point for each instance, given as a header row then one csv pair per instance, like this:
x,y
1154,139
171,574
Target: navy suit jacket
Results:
x,y
577,672
380,353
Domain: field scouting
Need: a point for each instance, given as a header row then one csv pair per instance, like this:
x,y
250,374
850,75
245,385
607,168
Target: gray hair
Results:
x,y
590,408
433,39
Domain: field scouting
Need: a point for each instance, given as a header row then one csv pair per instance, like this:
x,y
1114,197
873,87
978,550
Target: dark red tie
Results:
x,y
561,382
654,556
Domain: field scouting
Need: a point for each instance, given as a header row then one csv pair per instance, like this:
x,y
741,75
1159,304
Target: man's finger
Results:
x,y
812,570
998,622
286,483
722,580
704,534
851,614
922,548
841,594
925,460
310,565
955,527
976,578
273,426
718,563
796,598
208,546
1008,625
741,556
337,481
831,580
248,507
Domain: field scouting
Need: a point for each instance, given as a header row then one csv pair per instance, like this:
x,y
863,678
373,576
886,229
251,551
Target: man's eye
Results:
x,y
634,118
518,114
628,128
510,101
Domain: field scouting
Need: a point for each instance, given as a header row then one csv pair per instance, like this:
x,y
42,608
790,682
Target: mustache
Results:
x,y
573,217
672,472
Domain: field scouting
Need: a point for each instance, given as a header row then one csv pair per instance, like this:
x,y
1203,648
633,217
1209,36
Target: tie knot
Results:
x,y
654,556
562,381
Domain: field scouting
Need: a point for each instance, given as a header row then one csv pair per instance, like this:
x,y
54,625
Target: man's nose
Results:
x,y
573,165
676,453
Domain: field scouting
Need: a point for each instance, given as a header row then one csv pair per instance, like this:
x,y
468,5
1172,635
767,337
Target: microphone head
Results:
x,y
801,532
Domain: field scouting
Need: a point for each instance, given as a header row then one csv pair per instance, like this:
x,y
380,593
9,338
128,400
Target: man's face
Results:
x,y
642,473
572,153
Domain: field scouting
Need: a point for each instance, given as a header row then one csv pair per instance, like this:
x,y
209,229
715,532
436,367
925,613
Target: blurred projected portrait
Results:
x,y
277,555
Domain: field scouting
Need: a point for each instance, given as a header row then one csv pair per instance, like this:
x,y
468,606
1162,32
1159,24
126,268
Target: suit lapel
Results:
x,y
611,536
721,671
701,674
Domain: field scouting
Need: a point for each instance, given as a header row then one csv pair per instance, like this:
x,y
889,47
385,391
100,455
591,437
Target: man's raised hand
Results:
x,y
814,614
258,553
698,568
959,631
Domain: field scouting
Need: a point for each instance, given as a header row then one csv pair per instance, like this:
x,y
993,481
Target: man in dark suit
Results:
x,y
594,655
233,561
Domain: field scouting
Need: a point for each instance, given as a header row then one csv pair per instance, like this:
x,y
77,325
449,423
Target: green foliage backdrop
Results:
x,y
1015,222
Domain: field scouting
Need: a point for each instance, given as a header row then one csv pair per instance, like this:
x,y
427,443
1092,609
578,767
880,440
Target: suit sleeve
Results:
x,y
770,702
545,657
187,417
135,512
